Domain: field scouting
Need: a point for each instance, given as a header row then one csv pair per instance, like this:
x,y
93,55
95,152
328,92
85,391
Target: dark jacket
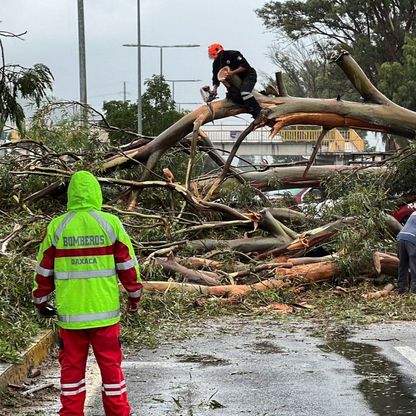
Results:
x,y
233,59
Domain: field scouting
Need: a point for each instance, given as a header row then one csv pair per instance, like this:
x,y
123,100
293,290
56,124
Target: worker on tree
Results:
x,y
238,66
82,254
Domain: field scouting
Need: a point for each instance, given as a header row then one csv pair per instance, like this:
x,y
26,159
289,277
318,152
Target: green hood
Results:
x,y
84,192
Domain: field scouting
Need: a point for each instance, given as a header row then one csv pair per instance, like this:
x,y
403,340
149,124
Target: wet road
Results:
x,y
241,366
261,368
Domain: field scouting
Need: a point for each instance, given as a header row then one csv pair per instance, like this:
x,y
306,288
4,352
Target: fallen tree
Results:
x,y
175,211
317,272
375,113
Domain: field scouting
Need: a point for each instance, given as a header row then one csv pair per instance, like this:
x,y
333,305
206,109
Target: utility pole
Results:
x,y
124,91
82,61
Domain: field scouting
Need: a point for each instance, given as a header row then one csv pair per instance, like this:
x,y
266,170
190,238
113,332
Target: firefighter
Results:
x,y
80,258
238,66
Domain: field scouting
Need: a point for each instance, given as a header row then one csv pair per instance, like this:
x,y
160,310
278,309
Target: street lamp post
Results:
x,y
139,75
180,80
139,81
82,62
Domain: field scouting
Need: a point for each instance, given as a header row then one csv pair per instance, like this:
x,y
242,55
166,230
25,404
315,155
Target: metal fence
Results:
x,y
335,140
224,133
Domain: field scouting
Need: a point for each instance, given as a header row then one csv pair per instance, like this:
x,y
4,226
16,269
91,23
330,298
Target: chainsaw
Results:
x,y
208,96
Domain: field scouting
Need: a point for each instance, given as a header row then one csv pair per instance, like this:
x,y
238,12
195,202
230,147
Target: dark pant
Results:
x,y
407,256
245,94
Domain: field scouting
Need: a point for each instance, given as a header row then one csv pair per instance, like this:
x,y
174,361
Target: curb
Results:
x,y
32,357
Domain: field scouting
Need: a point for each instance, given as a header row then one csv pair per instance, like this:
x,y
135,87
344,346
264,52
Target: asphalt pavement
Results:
x,y
261,367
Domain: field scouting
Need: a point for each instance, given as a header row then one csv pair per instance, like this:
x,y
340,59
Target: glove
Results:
x,y
132,305
229,75
46,311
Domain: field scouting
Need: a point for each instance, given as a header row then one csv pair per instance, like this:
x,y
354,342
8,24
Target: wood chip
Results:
x,y
279,307
38,388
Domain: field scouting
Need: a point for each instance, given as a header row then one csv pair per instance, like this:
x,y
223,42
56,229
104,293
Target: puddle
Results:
x,y
387,391
202,359
266,347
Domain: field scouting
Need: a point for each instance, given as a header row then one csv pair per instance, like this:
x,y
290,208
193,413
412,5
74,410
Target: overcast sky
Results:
x,y
52,39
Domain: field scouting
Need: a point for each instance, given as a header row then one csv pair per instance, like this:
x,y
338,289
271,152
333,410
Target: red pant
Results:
x,y
73,358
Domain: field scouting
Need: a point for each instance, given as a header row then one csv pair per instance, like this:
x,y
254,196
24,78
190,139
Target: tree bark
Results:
x,y
192,276
289,215
313,272
386,263
244,245
291,176
379,293
308,240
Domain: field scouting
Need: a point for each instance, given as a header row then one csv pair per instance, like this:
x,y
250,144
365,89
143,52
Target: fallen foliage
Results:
x,y
203,229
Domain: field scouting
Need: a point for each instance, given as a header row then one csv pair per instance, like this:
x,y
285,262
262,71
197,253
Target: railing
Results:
x,y
335,140
225,133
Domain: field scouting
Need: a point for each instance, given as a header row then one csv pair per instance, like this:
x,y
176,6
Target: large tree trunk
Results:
x,y
318,272
244,245
291,176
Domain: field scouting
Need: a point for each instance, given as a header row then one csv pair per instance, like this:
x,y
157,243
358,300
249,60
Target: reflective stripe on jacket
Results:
x,y
83,253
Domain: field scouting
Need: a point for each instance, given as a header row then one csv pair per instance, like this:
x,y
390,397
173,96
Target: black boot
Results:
x,y
253,106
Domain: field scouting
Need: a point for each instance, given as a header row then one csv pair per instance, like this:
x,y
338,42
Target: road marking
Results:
x,y
408,353
155,364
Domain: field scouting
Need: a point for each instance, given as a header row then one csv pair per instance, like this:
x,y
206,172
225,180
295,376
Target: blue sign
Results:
x,y
235,134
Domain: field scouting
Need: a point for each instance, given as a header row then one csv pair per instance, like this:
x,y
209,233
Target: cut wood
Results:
x,y
386,263
314,272
380,293
220,291
278,307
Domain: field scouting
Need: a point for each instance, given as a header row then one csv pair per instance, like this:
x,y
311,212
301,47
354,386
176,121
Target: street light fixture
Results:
x,y
180,80
161,47
139,76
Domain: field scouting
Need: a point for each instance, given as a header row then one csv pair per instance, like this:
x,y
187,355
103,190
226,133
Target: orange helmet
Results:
x,y
214,49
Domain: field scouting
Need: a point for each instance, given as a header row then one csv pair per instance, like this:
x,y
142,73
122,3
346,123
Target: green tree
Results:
x,y
123,115
398,80
308,73
158,107
158,112
373,31
17,82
